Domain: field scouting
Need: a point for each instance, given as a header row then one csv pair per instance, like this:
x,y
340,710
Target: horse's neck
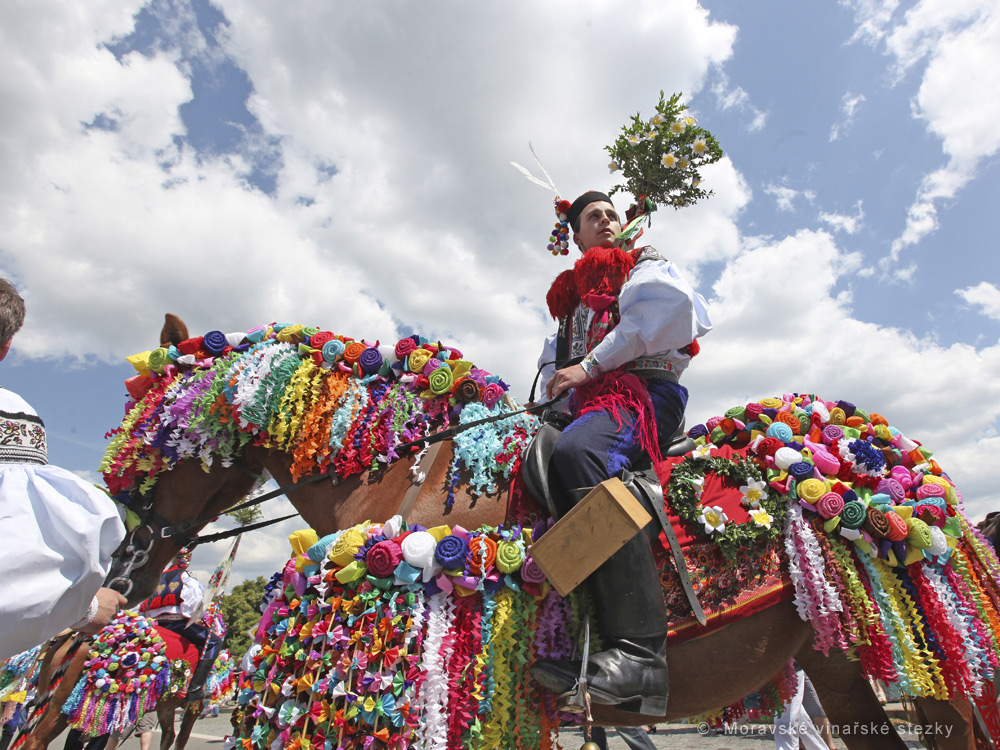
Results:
x,y
377,496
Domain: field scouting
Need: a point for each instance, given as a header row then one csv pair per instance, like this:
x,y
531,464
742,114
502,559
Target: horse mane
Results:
x,y
331,402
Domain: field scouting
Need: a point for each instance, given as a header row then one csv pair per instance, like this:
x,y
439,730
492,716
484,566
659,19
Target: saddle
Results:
x,y
536,468
642,482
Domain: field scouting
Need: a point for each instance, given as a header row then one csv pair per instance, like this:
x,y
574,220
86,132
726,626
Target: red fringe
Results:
x,y
954,666
602,270
615,392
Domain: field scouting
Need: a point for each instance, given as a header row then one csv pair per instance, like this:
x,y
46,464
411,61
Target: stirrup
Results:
x,y
576,700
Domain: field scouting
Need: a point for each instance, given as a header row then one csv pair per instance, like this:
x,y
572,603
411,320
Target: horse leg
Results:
x,y
165,712
849,701
53,722
191,712
949,723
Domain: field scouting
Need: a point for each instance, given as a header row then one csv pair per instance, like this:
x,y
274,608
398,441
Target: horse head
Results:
x,y
212,414
190,491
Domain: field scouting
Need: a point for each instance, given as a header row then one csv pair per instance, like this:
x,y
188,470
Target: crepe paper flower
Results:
x,y
613,167
383,558
441,379
347,545
257,735
492,393
633,139
332,350
658,119
669,160
678,126
753,491
699,486
699,147
761,517
451,552
714,519
510,556
703,451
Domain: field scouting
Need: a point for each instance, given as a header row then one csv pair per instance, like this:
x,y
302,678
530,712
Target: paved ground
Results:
x,y
208,735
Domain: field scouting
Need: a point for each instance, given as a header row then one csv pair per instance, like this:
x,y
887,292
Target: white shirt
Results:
x,y
58,533
190,607
660,315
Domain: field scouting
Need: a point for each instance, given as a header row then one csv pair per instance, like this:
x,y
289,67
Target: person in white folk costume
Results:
x,y
59,531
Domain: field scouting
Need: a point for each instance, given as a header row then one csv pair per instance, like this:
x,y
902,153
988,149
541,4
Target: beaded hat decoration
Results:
x,y
559,240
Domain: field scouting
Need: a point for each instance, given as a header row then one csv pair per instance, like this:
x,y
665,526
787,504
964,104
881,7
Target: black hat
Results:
x,y
581,203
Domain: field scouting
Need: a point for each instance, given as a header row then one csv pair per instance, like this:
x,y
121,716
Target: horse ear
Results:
x,y
174,331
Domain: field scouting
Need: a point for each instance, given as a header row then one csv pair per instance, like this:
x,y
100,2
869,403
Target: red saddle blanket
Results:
x,y
728,590
179,647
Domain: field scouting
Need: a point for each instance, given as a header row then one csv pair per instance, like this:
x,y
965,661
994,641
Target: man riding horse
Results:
x,y
634,319
176,605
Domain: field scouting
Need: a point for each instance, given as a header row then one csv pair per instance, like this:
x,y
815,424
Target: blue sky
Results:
x,y
245,162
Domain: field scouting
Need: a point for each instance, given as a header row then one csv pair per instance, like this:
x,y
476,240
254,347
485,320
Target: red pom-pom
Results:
x,y
562,297
692,349
603,270
562,207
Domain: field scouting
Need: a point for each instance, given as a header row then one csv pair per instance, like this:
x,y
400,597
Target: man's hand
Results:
x,y
563,380
108,604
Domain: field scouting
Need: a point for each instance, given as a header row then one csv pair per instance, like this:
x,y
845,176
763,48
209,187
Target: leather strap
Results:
x,y
654,494
413,492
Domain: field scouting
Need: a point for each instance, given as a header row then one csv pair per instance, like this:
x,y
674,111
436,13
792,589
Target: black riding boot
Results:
x,y
196,688
631,672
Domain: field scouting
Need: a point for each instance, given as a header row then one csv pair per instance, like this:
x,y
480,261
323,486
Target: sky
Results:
x,y
347,165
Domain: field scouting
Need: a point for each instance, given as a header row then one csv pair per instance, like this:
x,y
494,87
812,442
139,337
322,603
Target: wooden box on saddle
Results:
x,y
582,540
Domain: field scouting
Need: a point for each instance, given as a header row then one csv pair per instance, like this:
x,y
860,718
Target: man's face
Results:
x,y
599,225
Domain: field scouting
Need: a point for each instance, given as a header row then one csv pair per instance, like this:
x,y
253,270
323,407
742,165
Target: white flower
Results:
x,y
669,160
633,139
690,121
714,519
683,163
613,166
761,517
699,486
699,147
703,451
678,127
657,119
753,491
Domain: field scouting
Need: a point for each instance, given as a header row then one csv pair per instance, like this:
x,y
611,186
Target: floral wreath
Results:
x,y
660,159
766,508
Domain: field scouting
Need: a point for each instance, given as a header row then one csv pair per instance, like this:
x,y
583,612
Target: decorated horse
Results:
x,y
104,683
886,580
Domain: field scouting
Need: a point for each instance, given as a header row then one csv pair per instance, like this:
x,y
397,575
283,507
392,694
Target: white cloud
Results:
x,y
872,17
728,96
983,295
424,223
785,197
849,108
960,42
844,222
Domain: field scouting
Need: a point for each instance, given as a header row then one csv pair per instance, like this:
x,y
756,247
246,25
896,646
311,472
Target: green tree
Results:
x,y
241,609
